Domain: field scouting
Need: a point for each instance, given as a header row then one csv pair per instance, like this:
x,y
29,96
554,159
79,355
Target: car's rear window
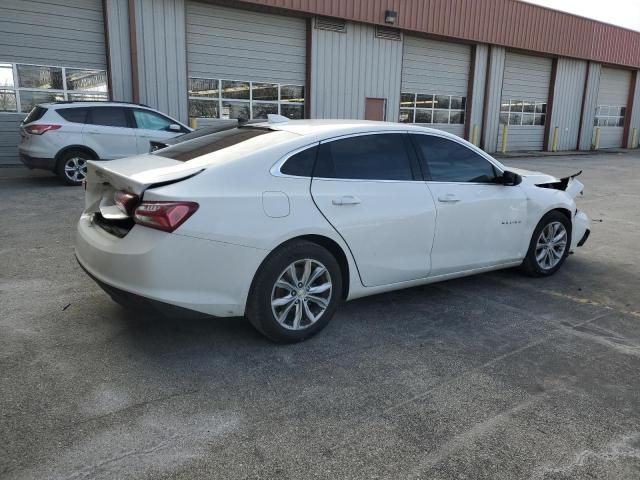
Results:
x,y
75,115
200,146
36,114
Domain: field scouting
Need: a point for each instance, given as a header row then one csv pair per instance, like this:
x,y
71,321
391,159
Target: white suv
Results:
x,y
62,136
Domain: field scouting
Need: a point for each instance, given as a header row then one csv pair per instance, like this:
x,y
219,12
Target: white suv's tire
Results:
x,y
72,166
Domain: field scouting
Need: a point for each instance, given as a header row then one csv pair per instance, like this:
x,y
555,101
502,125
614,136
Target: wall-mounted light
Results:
x,y
390,16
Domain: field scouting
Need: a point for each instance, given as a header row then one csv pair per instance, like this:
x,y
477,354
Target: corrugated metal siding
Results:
x,y
567,102
64,32
434,67
525,78
478,89
493,98
348,67
589,110
241,45
117,12
162,62
635,114
613,90
10,137
509,23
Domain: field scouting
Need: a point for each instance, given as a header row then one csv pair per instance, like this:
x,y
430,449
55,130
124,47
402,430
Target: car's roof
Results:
x,y
78,104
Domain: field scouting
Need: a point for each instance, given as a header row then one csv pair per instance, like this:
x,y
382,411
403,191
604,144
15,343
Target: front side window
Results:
x,y
432,108
24,86
234,99
108,116
151,120
365,157
449,161
522,112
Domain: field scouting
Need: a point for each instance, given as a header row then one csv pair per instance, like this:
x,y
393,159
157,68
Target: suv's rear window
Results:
x,y
197,147
75,115
36,114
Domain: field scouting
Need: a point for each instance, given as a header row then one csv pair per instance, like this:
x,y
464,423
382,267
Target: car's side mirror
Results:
x,y
174,127
510,179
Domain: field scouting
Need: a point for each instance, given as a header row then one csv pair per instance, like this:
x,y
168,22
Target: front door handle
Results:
x,y
448,198
346,200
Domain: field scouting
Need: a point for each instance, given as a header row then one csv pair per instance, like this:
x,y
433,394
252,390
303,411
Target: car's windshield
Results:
x,y
197,147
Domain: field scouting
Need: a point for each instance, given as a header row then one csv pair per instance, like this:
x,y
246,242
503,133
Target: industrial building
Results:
x,y
506,75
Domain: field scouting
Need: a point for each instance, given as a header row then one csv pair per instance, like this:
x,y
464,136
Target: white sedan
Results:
x,y
284,220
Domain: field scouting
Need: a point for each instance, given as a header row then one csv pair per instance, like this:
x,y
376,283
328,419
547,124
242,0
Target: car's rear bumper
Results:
x,y
37,162
191,273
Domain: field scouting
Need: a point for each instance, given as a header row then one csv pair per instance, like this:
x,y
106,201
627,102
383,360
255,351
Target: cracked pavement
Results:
x,y
497,376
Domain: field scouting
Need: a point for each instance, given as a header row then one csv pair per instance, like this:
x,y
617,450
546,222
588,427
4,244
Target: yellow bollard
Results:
x,y
634,138
554,145
503,150
474,135
193,122
596,143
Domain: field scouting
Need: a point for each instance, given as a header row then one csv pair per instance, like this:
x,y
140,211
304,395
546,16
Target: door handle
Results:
x,y
346,200
448,198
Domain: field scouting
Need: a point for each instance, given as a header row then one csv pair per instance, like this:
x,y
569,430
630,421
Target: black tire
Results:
x,y
259,306
531,265
71,167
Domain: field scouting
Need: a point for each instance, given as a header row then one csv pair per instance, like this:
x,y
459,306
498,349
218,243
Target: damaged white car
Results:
x,y
282,221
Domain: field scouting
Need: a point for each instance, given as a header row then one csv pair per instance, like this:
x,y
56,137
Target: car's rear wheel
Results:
x,y
295,292
72,166
549,245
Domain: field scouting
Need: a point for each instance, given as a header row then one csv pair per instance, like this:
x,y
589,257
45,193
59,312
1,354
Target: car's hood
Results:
x,y
569,183
532,177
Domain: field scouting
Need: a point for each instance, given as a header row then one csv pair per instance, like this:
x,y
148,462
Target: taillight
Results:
x,y
125,201
165,216
41,128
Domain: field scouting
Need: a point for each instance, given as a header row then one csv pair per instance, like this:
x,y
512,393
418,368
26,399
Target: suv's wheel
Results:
x,y
295,292
549,245
72,166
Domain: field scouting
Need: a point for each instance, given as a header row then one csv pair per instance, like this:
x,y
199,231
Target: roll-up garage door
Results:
x,y
523,109
244,64
41,43
611,106
435,77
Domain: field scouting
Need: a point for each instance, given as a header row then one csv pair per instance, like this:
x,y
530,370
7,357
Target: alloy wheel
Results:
x,y
551,245
75,169
301,294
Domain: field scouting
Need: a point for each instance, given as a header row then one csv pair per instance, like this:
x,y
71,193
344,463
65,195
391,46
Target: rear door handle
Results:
x,y
346,200
448,198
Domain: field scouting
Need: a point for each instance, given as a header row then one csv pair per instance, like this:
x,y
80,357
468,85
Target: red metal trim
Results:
x,y
509,23
307,70
467,110
133,43
549,114
584,100
105,22
485,109
629,111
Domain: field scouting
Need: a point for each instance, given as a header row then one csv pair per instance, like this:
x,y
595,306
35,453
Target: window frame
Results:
x,y
450,111
535,114
65,91
424,164
607,117
220,99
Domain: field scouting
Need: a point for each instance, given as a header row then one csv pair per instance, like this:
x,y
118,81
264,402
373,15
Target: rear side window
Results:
x,y
108,116
300,164
365,157
449,161
75,115
197,147
35,114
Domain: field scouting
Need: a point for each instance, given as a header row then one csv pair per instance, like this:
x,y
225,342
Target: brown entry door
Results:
x,y
374,108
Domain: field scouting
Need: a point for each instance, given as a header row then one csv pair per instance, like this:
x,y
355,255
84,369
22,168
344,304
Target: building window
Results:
x,y
609,116
232,99
429,108
522,112
23,86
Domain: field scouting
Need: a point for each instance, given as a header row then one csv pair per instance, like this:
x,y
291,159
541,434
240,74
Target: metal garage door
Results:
x,y
525,91
435,78
49,50
611,106
243,63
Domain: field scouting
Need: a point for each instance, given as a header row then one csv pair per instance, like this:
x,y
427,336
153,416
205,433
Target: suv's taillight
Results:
x,y
165,216
40,128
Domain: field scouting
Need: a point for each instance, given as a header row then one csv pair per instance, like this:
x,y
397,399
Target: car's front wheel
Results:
x,y
549,245
295,292
72,166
